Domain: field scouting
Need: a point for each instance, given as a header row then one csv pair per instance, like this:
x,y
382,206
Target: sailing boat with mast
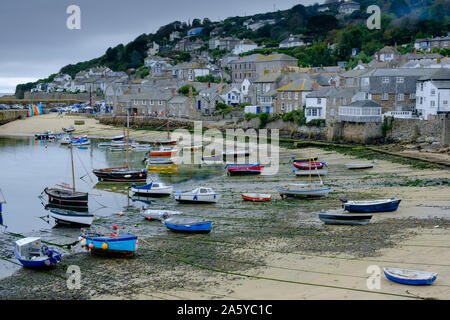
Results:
x,y
124,173
67,196
167,141
305,190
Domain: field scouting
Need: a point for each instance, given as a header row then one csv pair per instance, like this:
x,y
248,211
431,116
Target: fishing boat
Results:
x,y
47,135
309,165
344,218
312,159
66,140
69,129
152,189
188,224
158,214
31,253
360,165
411,277
124,173
256,197
381,205
110,244
68,217
198,195
244,169
65,195
81,142
162,152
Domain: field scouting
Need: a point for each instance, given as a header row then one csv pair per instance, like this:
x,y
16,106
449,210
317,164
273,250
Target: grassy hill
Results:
x,y
402,22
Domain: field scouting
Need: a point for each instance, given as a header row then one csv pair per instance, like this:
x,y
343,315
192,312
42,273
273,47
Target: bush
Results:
x,y
316,123
250,116
263,119
297,116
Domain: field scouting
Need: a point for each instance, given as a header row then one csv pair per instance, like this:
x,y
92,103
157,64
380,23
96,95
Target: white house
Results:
x,y
244,46
316,105
153,48
293,41
433,93
232,95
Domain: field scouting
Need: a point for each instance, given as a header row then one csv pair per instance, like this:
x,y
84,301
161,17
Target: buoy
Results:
x,y
120,213
149,218
137,241
140,175
83,242
115,227
104,246
91,245
259,177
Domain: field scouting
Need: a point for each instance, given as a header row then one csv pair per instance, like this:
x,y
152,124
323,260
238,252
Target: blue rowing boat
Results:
x,y
188,225
110,244
366,206
411,277
344,218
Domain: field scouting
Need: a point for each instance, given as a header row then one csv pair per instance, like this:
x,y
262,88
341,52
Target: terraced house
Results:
x,y
151,103
254,66
293,95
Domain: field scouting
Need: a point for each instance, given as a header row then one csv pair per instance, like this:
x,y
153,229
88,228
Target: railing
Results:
x,y
399,114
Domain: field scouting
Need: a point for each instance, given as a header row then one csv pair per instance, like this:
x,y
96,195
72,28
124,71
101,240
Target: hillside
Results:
x,y
402,22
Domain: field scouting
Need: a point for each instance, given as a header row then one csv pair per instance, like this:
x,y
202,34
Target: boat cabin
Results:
x,y
203,190
29,247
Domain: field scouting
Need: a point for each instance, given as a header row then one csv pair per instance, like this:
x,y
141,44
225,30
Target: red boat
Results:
x,y
244,168
306,165
256,197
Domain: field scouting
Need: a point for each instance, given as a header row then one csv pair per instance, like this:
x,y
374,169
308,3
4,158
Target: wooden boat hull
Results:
x,y
410,277
71,218
123,245
312,193
356,166
192,226
120,175
66,198
377,207
256,197
345,219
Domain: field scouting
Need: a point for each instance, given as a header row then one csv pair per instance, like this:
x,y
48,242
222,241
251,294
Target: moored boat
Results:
x,y
69,129
360,165
185,224
31,253
411,277
198,195
380,205
110,244
309,165
121,174
308,159
66,197
304,190
244,169
71,218
256,197
344,218
166,142
158,214
152,189
163,152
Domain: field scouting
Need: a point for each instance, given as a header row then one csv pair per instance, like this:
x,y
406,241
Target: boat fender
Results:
x,y
104,246
195,198
214,196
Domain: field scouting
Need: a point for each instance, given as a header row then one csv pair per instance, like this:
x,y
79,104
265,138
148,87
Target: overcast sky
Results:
x,y
35,42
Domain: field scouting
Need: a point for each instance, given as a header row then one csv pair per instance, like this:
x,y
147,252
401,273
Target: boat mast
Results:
x,y
73,173
127,135
168,130
310,183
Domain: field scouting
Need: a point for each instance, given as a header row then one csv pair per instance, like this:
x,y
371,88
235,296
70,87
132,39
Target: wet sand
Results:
x,y
279,250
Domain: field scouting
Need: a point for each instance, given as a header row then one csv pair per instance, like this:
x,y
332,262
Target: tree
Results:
x,y
321,24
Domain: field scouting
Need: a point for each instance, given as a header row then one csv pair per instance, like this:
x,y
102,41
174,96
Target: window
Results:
x,y
314,112
385,96
421,86
289,95
445,102
296,96
282,96
421,100
319,100
144,102
135,102
385,80
432,104
412,96
282,106
400,79
160,102
400,97
332,112
433,92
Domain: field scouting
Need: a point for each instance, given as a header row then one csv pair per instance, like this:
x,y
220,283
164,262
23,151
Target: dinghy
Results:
x,y
312,159
411,277
198,195
158,214
360,165
152,189
69,129
163,152
166,142
31,253
256,197
344,218
110,244
382,205
244,169
151,161
304,190
71,218
188,224
307,165
81,142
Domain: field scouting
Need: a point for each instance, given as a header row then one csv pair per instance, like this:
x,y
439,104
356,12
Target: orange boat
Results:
x,y
163,152
256,197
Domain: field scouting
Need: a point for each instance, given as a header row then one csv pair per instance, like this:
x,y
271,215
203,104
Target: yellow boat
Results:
x,y
163,168
294,159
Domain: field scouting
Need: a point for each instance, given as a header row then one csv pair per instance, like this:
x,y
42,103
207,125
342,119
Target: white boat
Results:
x,y
158,214
152,189
316,172
360,165
71,217
304,190
198,195
160,160
411,277
66,140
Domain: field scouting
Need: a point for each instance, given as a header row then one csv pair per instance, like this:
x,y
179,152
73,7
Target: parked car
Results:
x,y
53,110
17,106
4,107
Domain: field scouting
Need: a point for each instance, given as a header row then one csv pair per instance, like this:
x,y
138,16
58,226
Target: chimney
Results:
x,y
315,85
190,91
220,86
139,90
173,92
